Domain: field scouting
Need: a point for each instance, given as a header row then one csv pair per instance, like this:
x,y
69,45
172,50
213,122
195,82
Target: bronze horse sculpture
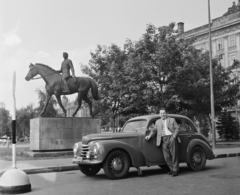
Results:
x,y
54,86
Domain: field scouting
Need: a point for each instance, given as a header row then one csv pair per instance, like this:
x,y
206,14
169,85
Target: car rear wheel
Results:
x,y
197,159
116,165
89,170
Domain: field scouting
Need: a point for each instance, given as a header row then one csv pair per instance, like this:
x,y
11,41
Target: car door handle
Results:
x,y
189,136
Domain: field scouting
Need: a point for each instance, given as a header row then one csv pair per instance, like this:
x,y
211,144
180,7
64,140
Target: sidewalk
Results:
x,y
65,164
40,166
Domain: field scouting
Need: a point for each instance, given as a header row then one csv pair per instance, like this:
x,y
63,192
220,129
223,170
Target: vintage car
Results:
x,y
117,152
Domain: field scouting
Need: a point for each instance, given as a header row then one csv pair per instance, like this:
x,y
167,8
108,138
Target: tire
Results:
x,y
197,159
89,170
116,165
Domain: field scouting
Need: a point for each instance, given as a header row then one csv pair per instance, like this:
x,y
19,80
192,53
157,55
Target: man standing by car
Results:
x,y
167,130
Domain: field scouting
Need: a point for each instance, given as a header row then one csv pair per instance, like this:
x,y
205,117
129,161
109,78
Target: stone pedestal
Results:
x,y
54,134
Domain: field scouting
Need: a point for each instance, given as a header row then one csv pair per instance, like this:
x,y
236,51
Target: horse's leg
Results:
x,y
79,104
60,104
88,101
48,96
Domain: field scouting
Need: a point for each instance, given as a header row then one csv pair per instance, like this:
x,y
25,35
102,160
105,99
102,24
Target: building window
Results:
x,y
232,41
220,44
201,46
197,47
232,57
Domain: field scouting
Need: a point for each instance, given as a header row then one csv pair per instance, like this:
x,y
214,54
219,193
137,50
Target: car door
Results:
x,y
152,153
185,137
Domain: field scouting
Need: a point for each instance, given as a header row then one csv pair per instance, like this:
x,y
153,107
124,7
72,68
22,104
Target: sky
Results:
x,y
39,31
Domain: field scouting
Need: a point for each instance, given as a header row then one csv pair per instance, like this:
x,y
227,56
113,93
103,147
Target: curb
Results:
x,y
48,169
226,155
46,154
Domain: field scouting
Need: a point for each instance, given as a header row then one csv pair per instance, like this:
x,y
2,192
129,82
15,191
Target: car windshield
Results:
x,y
138,125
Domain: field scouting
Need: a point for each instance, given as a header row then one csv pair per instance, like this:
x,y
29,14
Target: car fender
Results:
x,y
105,147
204,145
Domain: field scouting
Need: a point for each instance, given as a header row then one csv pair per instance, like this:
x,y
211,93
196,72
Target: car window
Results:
x,y
181,124
151,124
138,125
189,126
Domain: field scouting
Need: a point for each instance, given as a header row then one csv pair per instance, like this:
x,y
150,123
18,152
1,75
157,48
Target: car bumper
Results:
x,y
81,161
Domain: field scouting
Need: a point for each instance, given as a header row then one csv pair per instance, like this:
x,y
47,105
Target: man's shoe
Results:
x,y
174,173
170,173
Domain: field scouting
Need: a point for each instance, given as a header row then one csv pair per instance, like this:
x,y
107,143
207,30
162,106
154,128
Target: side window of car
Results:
x,y
152,124
181,124
189,126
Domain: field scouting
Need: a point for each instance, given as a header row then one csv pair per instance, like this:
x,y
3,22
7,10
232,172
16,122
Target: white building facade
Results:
x,y
225,36
225,32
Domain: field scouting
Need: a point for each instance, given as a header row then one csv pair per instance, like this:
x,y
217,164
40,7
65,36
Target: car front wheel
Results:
x,y
116,165
89,170
197,159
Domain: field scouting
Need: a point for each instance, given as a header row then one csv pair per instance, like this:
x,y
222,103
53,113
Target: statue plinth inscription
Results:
x,y
49,134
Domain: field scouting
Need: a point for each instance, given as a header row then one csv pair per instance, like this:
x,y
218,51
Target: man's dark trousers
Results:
x,y
170,152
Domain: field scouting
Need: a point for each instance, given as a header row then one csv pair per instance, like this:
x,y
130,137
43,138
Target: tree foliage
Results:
x,y
50,110
227,127
151,65
4,121
24,115
106,68
160,69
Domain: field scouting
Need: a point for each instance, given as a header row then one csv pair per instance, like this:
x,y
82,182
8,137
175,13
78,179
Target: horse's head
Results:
x,y
32,72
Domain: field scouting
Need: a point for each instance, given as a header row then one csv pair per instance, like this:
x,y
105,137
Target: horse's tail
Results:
x,y
94,89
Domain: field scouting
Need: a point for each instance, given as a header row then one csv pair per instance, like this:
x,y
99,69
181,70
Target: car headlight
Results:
x,y
95,149
75,149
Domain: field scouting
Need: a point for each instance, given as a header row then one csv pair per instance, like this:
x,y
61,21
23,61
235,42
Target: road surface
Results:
x,y
220,177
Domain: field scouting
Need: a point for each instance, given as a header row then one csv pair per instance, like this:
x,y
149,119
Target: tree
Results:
x,y
65,101
152,66
165,70
106,68
50,110
24,115
160,69
4,121
227,127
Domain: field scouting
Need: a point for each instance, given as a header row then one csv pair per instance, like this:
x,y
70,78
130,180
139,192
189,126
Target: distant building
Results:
x,y
225,32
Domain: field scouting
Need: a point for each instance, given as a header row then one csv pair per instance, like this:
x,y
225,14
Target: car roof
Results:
x,y
152,116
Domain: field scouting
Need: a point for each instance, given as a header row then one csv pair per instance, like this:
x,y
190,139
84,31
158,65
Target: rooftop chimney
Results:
x,y
180,27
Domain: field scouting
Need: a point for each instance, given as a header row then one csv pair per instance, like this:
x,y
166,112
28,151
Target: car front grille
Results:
x,y
85,149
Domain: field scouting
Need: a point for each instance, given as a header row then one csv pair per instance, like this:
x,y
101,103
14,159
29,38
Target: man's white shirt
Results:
x,y
167,132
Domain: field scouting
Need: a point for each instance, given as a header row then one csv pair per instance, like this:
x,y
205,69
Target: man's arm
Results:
x,y
72,68
59,71
176,128
152,133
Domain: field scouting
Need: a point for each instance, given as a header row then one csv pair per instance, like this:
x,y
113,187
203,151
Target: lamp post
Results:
x,y
211,81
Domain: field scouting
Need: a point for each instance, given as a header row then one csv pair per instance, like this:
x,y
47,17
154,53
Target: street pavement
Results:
x,y
220,177
65,164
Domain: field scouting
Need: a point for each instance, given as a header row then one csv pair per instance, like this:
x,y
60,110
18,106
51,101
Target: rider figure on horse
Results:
x,y
65,70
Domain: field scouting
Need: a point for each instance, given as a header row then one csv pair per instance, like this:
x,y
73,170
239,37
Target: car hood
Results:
x,y
107,136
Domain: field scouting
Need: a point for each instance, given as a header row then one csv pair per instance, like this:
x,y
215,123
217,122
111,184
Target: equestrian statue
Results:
x,y
57,84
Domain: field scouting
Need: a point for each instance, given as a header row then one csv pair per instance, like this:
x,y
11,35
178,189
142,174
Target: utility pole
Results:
x,y
211,81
